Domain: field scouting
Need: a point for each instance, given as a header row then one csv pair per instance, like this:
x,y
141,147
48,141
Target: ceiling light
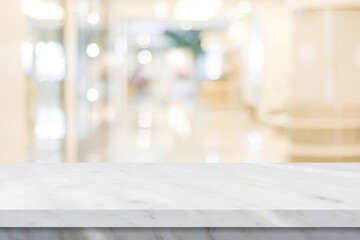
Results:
x,y
43,10
196,10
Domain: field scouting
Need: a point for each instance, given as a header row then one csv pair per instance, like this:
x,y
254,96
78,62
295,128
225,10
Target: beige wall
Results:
x,y
326,99
277,26
327,59
12,94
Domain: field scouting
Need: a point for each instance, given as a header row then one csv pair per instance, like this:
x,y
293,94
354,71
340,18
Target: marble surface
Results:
x,y
180,195
181,233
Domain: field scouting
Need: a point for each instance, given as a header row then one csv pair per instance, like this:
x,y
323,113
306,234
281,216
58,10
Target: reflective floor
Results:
x,y
152,131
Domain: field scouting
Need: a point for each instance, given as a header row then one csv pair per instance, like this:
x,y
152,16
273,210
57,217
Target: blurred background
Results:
x,y
180,81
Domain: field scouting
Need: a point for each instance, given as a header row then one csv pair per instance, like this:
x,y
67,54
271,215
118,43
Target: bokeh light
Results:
x,y
93,50
144,57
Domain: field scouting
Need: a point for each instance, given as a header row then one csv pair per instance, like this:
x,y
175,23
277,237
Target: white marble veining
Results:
x,y
180,195
180,233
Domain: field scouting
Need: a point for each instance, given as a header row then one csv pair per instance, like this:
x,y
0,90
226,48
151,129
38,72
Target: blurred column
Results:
x,y
71,46
325,114
118,86
12,85
275,25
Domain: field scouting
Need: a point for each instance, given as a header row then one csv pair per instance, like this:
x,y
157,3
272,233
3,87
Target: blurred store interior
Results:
x,y
180,81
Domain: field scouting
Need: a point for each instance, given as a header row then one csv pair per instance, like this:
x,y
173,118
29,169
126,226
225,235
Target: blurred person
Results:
x,y
139,82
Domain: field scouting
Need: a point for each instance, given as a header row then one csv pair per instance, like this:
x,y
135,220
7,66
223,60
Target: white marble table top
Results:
x,y
180,195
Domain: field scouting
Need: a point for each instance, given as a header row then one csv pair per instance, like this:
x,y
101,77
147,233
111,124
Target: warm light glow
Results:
x,y
176,59
93,18
196,10
92,95
93,50
244,7
144,57
143,40
178,121
50,124
236,31
49,62
256,55
161,9
43,10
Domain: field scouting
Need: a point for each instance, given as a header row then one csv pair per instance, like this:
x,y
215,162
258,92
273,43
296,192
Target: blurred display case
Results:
x,y
44,65
44,56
